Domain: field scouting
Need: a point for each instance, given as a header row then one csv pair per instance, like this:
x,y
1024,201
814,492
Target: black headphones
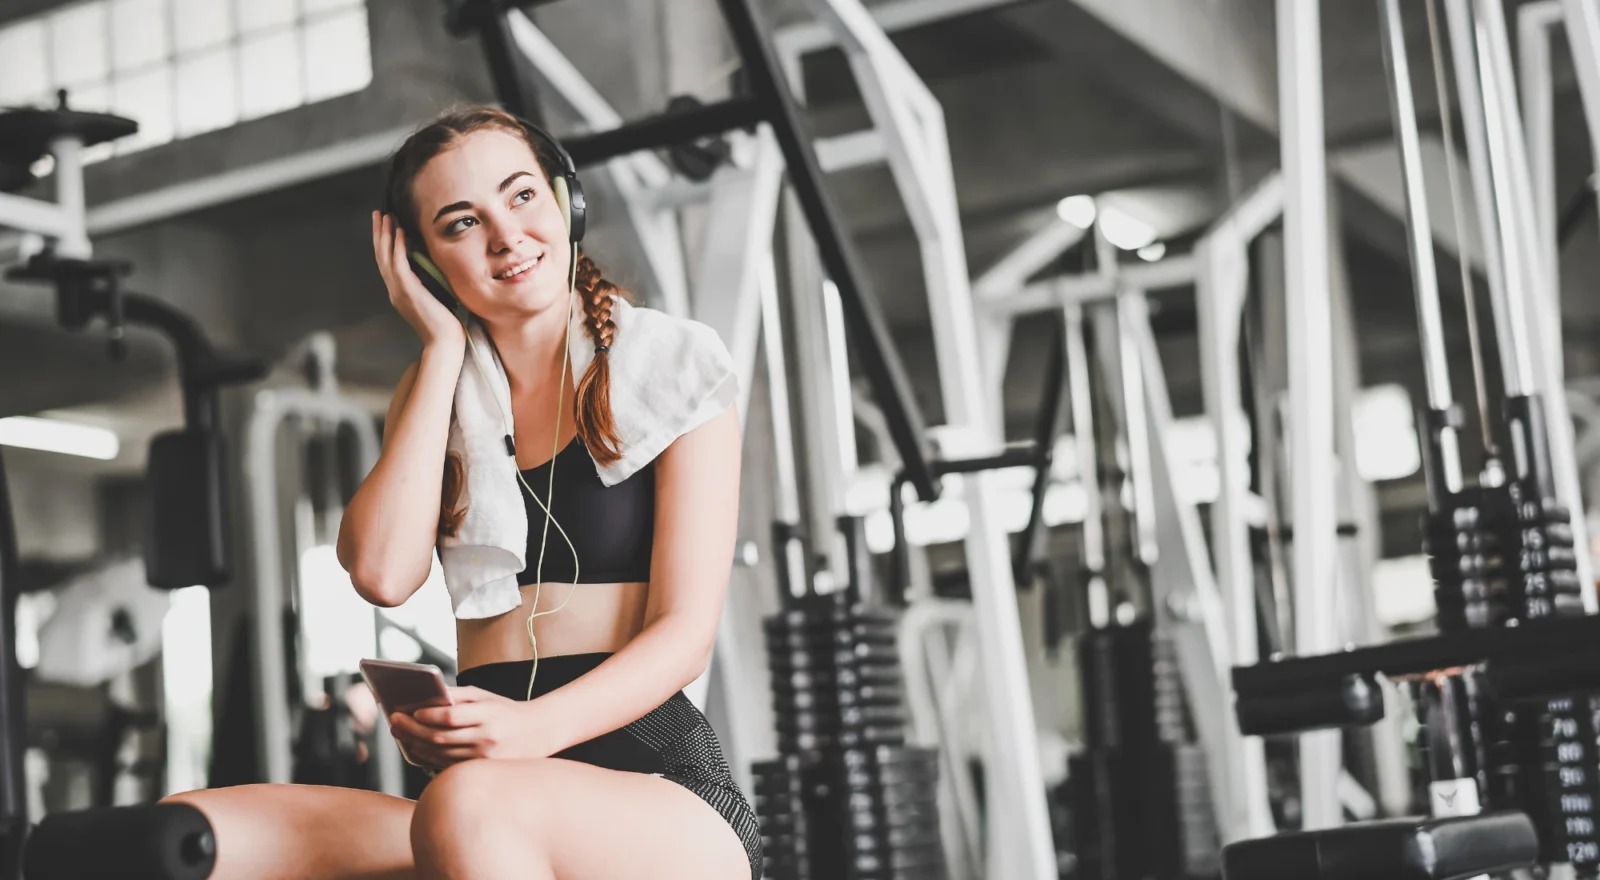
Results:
x,y
563,185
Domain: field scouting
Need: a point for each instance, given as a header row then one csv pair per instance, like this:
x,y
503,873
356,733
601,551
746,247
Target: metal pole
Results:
x,y
13,728
1419,232
1511,331
1541,300
1220,291
74,242
1583,35
1310,375
1534,22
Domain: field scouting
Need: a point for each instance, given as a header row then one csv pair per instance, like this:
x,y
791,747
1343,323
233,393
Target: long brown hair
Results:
x,y
593,401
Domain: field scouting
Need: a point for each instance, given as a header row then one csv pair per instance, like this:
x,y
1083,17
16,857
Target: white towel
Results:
x,y
668,376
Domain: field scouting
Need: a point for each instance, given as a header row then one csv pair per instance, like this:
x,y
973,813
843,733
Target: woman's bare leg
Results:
x,y
306,832
552,819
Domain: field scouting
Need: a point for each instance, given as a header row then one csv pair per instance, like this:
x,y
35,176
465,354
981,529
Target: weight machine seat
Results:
x,y
1391,849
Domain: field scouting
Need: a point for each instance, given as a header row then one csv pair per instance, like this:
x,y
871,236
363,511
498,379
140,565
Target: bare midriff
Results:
x,y
598,618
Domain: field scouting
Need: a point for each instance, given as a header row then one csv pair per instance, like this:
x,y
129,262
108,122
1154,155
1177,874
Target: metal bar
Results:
x,y
517,95
1220,293
1184,594
1534,23
1542,296
786,481
1047,426
34,215
1305,223
13,705
1094,537
74,241
665,129
1082,289
1130,306
1013,270
1574,641
897,15
1583,35
1419,228
1516,368
891,387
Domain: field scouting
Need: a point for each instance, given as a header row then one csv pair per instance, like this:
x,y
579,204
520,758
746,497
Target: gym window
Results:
x,y
184,67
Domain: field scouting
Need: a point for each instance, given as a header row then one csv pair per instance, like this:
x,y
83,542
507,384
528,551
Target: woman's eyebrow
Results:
x,y
461,206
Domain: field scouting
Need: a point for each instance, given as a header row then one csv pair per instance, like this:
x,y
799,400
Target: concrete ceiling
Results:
x,y
1165,103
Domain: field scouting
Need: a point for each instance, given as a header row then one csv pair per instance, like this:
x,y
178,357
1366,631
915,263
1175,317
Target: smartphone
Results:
x,y
405,687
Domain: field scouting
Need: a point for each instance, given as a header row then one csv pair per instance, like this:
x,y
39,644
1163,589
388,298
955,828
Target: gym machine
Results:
x,y
187,477
764,102
1505,689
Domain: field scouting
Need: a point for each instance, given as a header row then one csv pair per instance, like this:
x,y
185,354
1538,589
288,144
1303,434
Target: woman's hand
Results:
x,y
481,724
431,319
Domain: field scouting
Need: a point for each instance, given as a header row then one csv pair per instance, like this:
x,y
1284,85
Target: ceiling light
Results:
x,y
1124,231
52,435
1153,251
1077,210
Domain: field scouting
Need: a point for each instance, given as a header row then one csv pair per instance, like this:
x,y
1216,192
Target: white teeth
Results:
x,y
514,271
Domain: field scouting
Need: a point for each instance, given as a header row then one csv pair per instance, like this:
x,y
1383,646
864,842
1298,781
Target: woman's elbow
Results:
x,y
381,585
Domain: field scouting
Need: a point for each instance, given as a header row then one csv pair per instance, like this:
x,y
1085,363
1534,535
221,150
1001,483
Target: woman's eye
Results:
x,y
455,225
523,196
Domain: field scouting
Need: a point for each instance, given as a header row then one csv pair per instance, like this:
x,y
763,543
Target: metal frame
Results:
x,y
1221,287
912,124
271,408
1305,221
62,220
1527,302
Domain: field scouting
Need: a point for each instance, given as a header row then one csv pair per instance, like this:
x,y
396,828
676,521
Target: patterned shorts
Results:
x,y
674,741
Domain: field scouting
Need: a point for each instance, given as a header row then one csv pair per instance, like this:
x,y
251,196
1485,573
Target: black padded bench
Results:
x,y
1390,849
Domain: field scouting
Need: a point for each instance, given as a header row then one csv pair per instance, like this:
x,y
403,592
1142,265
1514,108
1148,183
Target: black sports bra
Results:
x,y
611,527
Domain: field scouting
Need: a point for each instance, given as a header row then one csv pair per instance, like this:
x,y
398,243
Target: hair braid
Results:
x,y
595,425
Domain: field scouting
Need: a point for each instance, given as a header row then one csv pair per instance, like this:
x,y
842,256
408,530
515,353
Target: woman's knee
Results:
x,y
479,797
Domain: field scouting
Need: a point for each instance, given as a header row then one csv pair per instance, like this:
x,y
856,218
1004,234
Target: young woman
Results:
x,y
609,772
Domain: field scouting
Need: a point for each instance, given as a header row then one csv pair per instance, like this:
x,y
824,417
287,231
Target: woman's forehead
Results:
x,y
473,167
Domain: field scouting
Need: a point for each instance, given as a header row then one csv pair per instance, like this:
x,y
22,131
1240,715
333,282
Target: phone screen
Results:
x,y
405,687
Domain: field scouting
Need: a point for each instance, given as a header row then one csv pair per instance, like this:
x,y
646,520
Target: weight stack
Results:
x,y
847,799
1141,802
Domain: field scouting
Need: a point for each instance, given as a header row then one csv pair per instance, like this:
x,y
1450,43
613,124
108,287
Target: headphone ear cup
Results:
x,y
577,213
432,278
558,186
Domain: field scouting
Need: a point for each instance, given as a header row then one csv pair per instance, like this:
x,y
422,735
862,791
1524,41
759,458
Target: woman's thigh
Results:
x,y
306,832
583,822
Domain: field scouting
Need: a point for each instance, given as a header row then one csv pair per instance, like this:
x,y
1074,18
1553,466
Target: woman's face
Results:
x,y
491,223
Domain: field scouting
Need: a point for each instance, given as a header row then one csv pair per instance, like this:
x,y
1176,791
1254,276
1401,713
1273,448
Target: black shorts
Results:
x,y
674,741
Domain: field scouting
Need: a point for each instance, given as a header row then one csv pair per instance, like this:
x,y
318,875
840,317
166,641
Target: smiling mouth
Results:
x,y
519,269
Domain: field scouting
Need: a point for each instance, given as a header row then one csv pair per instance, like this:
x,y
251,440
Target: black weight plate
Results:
x,y
891,755
897,859
845,716
823,679
894,838
924,815
786,699
888,776
846,739
854,630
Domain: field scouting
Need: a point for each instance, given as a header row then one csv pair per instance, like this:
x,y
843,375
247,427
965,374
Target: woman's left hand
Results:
x,y
480,724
